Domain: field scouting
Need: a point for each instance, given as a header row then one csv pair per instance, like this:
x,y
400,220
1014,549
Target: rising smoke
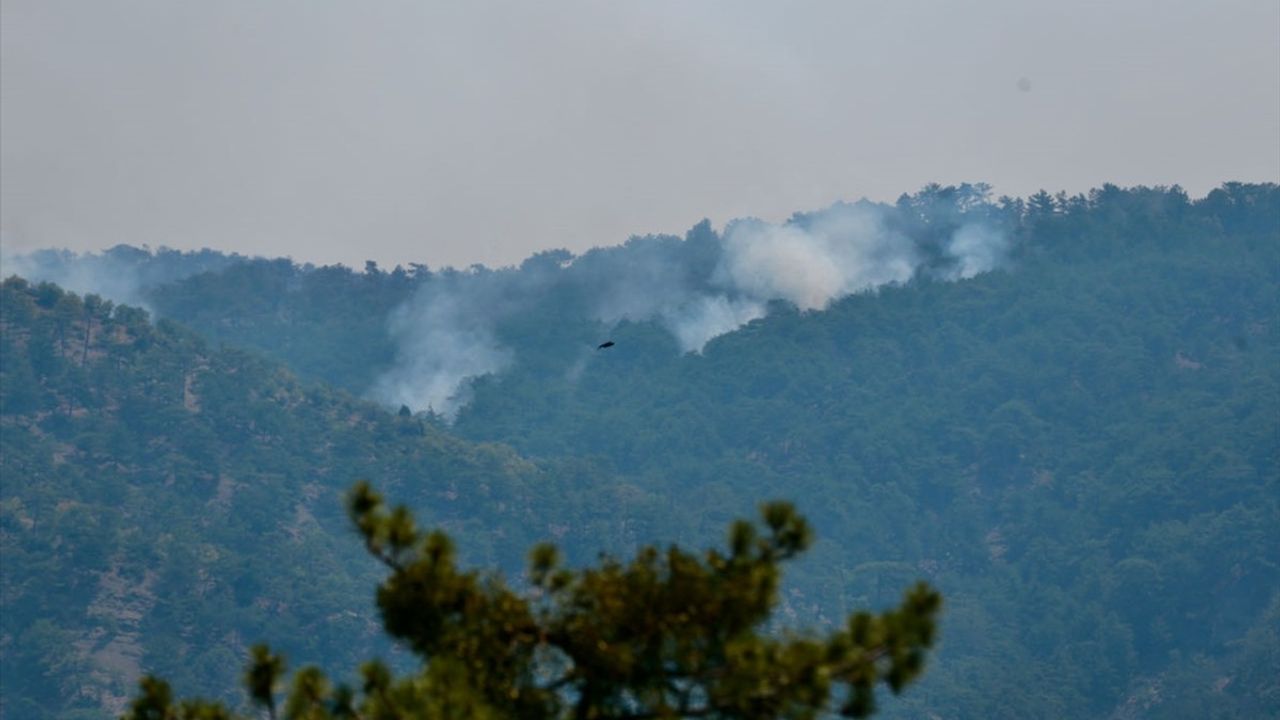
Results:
x,y
846,249
123,274
976,248
445,336
699,288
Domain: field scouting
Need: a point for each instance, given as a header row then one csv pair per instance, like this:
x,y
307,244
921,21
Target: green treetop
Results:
x,y
669,634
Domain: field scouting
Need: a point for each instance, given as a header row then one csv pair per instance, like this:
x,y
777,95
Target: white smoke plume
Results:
x,y
92,274
845,250
842,250
122,274
707,317
698,289
977,249
445,337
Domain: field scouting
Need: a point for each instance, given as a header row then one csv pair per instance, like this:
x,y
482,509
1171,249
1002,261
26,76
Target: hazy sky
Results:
x,y
453,133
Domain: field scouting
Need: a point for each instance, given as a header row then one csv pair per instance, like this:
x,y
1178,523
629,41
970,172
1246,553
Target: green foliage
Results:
x,y
666,635
162,500
326,322
1079,451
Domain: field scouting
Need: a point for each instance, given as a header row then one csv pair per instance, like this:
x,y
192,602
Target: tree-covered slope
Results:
x,y
1078,442
1082,451
164,504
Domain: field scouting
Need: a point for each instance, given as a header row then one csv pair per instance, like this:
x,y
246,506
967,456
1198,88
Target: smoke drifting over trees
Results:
x,y
444,328
122,273
1078,452
698,288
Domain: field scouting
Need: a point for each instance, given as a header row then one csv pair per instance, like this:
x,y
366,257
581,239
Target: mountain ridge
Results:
x,y
1078,449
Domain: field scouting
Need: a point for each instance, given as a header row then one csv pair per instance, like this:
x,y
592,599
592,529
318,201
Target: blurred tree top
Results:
x,y
669,634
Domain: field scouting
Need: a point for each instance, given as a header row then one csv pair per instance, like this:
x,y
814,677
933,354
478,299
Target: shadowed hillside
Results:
x,y
165,504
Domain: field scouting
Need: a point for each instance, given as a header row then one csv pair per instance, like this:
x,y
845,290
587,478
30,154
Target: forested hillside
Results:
x,y
1063,412
165,504
1081,451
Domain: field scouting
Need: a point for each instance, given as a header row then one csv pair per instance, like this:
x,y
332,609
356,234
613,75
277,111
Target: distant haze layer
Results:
x,y
457,134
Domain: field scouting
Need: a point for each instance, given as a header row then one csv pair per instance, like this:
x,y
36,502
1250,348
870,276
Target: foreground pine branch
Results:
x,y
669,634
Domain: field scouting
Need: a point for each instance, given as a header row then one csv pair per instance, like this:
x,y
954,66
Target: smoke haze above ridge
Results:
x,y
698,288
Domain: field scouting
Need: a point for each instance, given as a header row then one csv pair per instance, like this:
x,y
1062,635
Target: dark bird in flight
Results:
x,y
605,344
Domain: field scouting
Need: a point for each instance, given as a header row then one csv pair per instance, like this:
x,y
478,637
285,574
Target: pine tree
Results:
x,y
669,634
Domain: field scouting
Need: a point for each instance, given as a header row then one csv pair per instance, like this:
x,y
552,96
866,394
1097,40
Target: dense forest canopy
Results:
x,y
1062,411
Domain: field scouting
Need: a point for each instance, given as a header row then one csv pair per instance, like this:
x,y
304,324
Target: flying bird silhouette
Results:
x,y
605,344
